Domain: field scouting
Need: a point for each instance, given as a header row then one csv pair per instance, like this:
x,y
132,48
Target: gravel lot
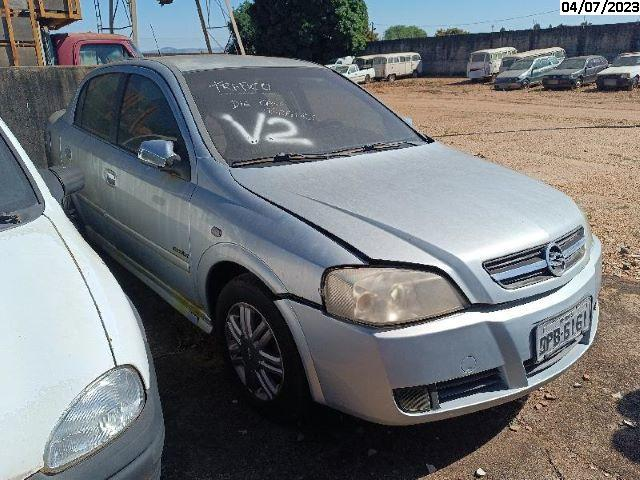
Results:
x,y
574,429
539,133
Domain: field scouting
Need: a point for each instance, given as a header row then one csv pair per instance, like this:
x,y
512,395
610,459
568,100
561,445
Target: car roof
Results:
x,y
192,63
630,54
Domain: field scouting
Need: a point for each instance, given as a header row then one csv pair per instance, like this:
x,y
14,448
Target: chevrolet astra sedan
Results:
x,y
340,255
79,395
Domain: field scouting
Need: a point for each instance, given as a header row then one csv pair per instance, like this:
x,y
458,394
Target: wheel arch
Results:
x,y
230,260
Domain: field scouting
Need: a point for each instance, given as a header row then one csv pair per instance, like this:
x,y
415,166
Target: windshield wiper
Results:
x,y
9,218
378,147
287,157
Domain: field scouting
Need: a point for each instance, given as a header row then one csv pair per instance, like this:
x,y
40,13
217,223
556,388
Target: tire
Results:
x,y
254,363
367,79
634,84
578,83
414,74
391,78
526,83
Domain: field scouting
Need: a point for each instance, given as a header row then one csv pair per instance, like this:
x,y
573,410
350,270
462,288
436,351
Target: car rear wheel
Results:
x,y
367,79
391,78
634,84
414,74
526,83
259,349
578,83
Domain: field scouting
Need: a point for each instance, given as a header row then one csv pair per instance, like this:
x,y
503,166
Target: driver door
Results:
x,y
149,209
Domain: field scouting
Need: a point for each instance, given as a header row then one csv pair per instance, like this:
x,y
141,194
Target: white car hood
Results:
x,y
52,341
618,70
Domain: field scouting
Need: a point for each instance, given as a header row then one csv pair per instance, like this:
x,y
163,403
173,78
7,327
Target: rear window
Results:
x,y
102,53
478,57
254,113
16,192
98,104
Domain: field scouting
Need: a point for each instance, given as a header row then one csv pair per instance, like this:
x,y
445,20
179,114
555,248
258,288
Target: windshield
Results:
x,y
508,61
254,113
571,64
477,57
342,68
524,64
627,61
16,192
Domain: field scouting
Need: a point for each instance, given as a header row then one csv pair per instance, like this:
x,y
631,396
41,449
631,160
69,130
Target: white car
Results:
x,y
353,73
79,395
624,72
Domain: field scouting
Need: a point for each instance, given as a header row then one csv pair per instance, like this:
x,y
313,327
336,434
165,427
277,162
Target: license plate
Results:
x,y
554,334
611,83
552,82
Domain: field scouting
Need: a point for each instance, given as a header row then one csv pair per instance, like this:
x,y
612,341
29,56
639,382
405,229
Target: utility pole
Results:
x,y
203,24
133,9
112,15
235,27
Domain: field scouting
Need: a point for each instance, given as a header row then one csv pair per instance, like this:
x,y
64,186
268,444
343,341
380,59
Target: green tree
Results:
x,y
443,32
403,31
317,30
536,26
502,30
246,27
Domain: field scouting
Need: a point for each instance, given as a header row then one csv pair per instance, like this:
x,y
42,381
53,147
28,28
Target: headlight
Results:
x,y
97,415
389,296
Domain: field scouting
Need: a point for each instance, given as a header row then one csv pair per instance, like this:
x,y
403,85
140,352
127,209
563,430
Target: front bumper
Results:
x,y
358,368
512,85
605,83
563,82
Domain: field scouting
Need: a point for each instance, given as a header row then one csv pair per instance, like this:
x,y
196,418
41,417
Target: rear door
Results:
x,y
151,208
89,142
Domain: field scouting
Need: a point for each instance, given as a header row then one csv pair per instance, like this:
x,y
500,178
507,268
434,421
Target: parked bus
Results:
x,y
484,64
394,65
509,60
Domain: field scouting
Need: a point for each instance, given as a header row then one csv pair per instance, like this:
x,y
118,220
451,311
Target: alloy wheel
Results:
x,y
254,352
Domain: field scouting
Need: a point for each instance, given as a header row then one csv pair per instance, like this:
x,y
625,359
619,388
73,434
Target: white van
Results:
x,y
509,60
394,65
485,64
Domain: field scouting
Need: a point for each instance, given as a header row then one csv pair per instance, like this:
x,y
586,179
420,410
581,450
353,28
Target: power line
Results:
x,y
482,22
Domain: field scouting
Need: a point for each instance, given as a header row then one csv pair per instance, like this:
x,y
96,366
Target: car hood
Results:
x,y
52,342
565,72
618,70
512,73
428,205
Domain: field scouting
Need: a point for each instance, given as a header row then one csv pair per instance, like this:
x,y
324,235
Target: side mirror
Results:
x,y
158,153
63,181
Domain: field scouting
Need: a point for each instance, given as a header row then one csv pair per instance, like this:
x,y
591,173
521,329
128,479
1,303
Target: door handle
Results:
x,y
110,177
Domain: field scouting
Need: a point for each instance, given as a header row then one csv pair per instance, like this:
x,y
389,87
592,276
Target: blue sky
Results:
x,y
177,25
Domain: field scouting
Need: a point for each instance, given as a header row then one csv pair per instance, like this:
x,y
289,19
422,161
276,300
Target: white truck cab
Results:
x,y
79,397
484,64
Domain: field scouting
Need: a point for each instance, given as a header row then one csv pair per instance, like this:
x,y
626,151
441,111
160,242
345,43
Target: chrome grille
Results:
x,y
530,266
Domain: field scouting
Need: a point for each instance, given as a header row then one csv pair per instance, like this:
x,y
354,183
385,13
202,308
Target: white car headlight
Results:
x,y
101,412
389,296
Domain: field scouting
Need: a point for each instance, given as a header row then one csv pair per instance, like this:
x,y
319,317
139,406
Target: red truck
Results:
x,y
88,48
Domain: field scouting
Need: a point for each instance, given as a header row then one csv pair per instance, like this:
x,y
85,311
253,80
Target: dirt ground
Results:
x,y
540,133
574,429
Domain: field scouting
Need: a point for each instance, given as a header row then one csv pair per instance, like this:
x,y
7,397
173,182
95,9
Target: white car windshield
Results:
x,y
256,113
629,61
342,69
524,64
16,192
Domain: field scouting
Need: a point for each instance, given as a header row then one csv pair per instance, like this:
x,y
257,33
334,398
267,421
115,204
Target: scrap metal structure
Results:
x,y
22,23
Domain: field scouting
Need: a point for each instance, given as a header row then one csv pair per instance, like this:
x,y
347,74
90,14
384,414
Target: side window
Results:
x,y
101,53
97,106
146,115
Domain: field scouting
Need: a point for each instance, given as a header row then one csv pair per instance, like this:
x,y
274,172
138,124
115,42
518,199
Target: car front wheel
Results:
x,y
259,349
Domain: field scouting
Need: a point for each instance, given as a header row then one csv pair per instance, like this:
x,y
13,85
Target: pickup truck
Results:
x,y
353,73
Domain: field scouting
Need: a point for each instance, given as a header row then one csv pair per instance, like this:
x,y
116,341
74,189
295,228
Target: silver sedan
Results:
x,y
340,255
